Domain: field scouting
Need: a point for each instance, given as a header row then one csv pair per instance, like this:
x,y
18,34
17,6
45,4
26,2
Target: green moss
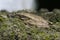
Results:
x,y
13,28
1,19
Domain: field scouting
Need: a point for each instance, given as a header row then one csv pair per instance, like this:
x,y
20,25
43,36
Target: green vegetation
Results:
x,y
13,28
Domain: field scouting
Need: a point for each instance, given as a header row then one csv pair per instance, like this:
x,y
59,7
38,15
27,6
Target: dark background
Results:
x,y
49,4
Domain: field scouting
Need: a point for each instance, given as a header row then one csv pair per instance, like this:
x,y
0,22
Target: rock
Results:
x,y
43,10
56,10
34,20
